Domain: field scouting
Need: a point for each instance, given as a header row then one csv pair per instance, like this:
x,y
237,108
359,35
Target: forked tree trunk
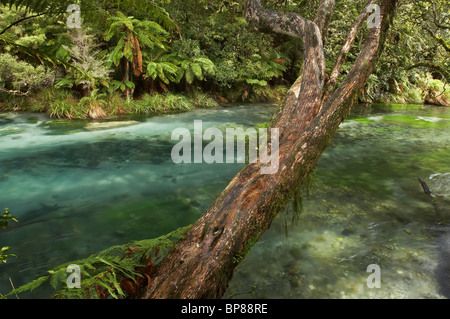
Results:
x,y
202,262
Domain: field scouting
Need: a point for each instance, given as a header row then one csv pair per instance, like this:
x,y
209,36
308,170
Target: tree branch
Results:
x,y
434,67
323,16
21,20
365,62
14,92
347,45
267,20
304,93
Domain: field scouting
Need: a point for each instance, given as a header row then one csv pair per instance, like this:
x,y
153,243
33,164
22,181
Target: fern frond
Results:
x,y
106,269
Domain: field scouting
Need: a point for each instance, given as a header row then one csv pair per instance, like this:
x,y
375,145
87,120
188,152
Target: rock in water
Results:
x,y
108,125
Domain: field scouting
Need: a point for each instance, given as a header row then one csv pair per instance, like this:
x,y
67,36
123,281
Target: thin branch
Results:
x,y
21,20
14,92
324,13
347,45
12,285
365,62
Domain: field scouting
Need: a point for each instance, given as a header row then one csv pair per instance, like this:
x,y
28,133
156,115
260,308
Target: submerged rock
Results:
x,y
108,125
10,131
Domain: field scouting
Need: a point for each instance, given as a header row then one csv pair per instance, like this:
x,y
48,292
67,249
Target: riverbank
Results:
x,y
65,104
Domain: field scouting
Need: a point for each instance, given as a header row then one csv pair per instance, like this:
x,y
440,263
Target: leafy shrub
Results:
x,y
20,75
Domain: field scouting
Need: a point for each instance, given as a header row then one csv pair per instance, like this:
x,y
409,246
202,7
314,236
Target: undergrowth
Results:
x,y
64,104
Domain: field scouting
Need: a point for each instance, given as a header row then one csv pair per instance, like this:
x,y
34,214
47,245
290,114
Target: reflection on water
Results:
x,y
76,192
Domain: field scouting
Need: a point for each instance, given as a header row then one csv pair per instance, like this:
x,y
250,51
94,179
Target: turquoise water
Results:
x,y
78,189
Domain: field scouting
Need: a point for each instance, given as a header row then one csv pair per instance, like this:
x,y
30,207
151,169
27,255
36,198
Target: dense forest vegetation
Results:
x,y
153,56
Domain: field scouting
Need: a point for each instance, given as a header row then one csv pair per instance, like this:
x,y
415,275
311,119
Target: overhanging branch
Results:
x,y
21,20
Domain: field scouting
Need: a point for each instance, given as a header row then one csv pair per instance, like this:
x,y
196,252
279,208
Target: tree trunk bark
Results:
x,y
202,262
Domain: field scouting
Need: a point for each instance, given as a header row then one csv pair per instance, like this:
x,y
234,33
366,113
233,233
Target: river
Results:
x,y
78,188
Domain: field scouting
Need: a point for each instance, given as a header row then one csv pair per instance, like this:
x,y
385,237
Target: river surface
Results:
x,y
78,188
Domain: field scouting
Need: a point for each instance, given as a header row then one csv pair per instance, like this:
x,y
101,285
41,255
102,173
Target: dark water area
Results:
x,y
77,189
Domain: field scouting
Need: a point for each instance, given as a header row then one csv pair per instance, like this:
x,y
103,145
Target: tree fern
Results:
x,y
165,71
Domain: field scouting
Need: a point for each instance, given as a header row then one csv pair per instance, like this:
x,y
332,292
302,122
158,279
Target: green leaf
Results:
x,y
114,85
197,70
189,75
28,287
256,82
130,84
128,51
116,55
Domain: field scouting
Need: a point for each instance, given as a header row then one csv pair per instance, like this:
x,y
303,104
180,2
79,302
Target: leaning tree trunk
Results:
x,y
202,262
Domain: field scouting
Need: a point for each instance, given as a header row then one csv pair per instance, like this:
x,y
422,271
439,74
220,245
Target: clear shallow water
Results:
x,y
76,192
365,206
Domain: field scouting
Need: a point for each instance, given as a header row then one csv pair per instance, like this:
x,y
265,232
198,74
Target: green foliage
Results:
x,y
20,75
113,272
203,100
121,86
190,62
5,219
183,45
162,103
413,53
244,60
164,71
194,68
239,257
64,109
169,102
93,104
88,68
125,30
